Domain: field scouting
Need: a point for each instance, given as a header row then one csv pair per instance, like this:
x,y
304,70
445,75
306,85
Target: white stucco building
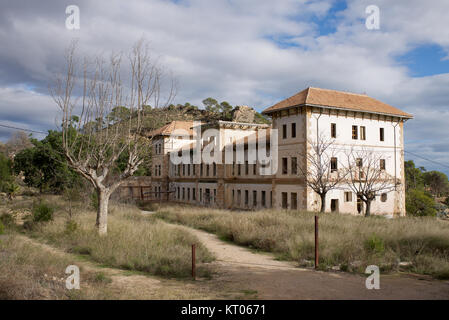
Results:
x,y
351,121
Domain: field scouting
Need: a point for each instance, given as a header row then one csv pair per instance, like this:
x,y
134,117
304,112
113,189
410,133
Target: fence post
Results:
x,y
316,242
193,262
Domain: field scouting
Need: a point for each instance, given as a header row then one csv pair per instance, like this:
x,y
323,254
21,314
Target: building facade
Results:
x,y
350,121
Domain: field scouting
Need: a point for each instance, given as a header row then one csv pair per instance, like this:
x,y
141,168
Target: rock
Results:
x,y
243,114
405,264
336,268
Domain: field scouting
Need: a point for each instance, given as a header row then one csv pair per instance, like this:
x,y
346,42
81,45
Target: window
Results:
x,y
294,201
194,167
284,166
382,164
183,193
201,194
194,194
382,134
183,169
334,164
263,199
355,133
284,200
362,133
359,162
179,193
239,197
246,197
254,198
239,169
333,130
207,170
246,168
215,195
383,197
201,169
254,169
188,169
214,166
188,193
284,131
293,130
348,196
294,165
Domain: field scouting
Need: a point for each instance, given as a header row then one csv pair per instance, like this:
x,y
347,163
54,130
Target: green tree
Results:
x,y
6,176
211,105
44,165
118,114
414,178
418,203
436,182
226,111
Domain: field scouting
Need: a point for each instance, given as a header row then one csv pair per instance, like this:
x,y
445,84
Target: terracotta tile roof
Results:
x,y
337,99
171,127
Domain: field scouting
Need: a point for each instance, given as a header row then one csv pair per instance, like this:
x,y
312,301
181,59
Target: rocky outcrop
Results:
x,y
243,114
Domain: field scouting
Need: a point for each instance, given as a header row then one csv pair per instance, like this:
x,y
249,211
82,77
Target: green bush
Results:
x,y
375,244
418,203
7,219
2,228
42,212
71,226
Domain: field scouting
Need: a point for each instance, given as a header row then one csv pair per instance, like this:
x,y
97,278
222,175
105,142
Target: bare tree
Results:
x,y
92,89
19,141
368,177
321,172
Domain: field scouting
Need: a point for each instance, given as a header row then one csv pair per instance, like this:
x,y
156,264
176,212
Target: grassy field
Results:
x,y
134,242
418,245
29,272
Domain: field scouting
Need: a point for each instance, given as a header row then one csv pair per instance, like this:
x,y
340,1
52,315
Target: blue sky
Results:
x,y
247,52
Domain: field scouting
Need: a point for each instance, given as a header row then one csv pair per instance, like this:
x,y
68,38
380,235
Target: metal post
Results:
x,y
316,242
193,262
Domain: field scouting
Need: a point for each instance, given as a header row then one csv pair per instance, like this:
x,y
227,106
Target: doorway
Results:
x,y
334,205
359,205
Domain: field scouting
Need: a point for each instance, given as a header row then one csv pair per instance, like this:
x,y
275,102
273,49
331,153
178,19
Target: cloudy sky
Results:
x,y
247,52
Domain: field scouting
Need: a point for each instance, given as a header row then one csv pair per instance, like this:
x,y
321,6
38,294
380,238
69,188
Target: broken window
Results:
x,y
382,164
348,196
362,133
294,165
355,132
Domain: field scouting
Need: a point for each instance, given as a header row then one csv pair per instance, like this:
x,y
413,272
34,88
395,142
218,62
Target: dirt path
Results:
x,y
135,285
263,277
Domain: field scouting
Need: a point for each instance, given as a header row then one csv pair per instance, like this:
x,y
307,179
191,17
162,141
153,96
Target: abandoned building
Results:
x,y
350,120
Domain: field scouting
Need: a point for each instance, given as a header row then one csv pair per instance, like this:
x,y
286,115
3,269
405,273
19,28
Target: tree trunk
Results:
x,y
368,208
323,203
102,213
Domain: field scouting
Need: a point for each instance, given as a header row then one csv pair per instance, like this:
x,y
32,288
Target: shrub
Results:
x,y
42,212
418,203
2,228
375,244
71,226
7,219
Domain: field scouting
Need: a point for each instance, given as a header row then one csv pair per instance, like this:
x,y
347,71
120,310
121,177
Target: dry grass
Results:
x,y
350,242
134,242
30,272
